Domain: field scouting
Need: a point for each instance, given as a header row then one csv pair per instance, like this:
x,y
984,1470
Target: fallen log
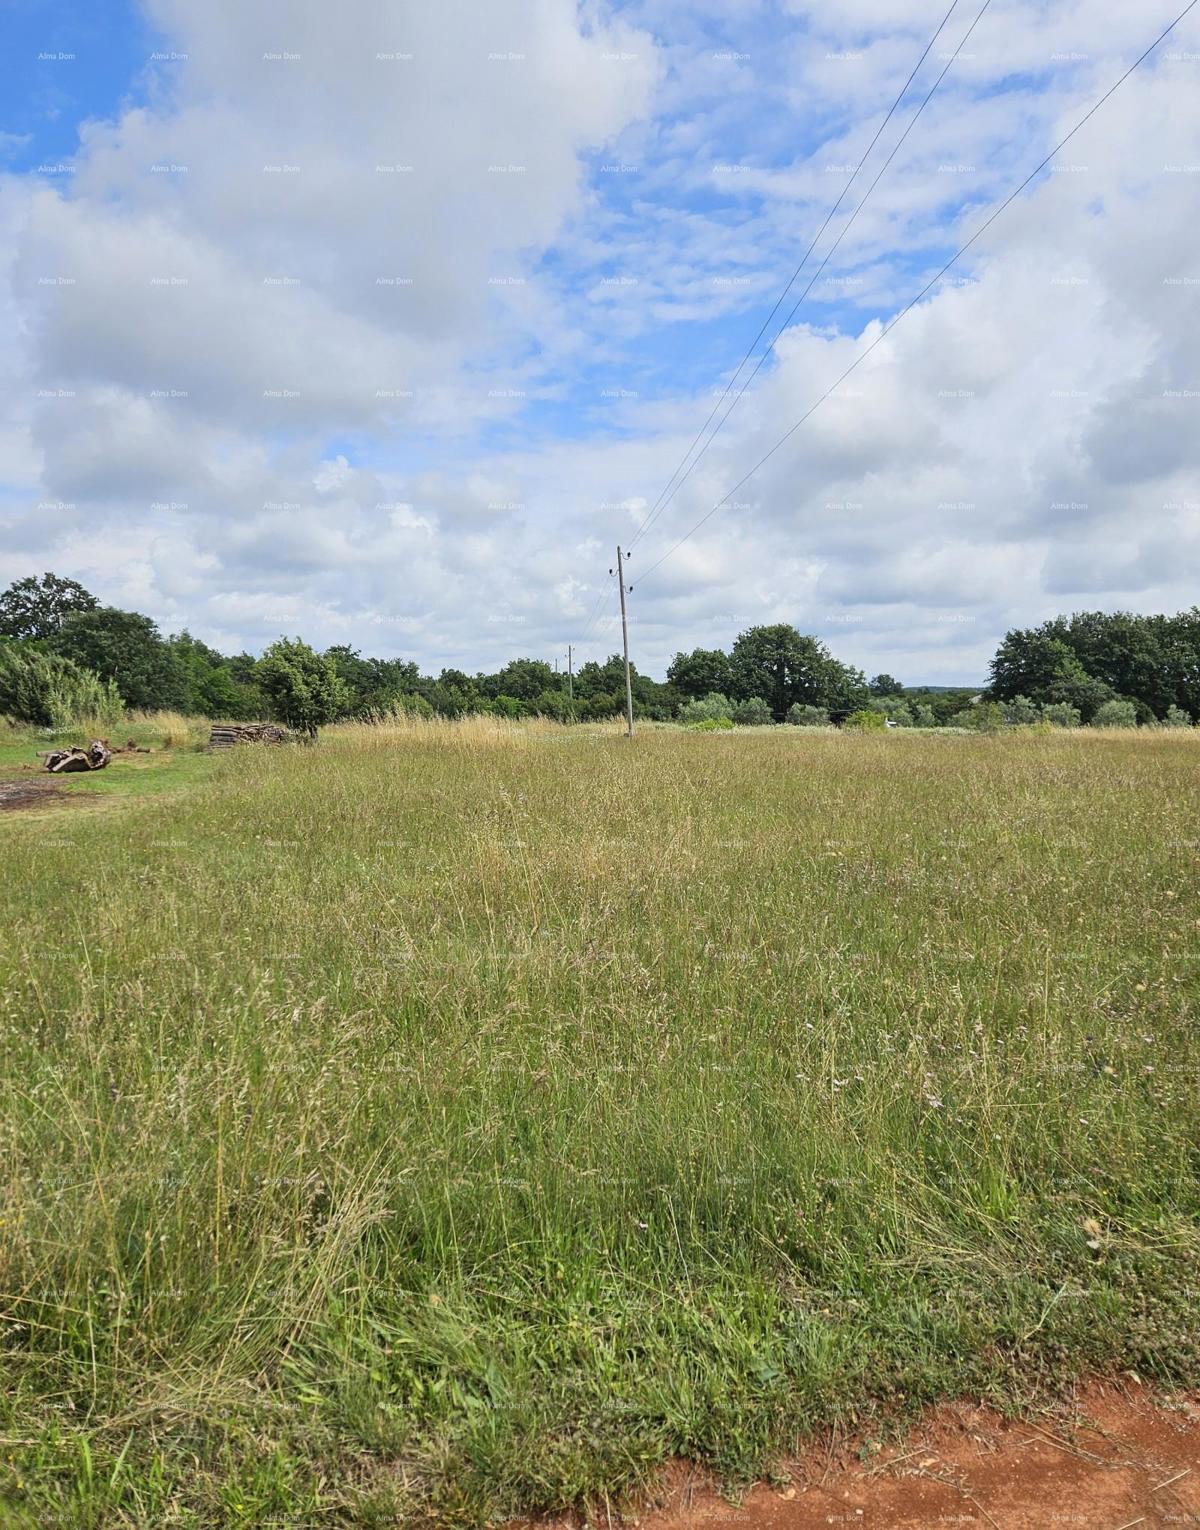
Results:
x,y
63,761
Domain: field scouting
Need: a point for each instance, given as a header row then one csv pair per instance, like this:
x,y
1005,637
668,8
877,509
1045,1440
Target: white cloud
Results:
x,y
346,395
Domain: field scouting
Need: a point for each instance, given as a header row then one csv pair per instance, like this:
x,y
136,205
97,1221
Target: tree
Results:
x,y
603,679
600,691
1040,664
126,648
37,608
1117,713
551,703
783,667
700,673
885,685
1181,651
212,690
526,679
1127,653
359,678
1177,718
302,686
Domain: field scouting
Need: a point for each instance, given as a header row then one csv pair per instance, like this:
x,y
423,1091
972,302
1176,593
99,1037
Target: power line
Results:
x,y
923,292
655,508
846,227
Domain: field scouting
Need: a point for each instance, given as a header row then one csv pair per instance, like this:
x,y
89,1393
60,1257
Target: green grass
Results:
x,y
174,759
450,1121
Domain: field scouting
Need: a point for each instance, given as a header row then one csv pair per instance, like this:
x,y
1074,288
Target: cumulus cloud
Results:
x,y
350,317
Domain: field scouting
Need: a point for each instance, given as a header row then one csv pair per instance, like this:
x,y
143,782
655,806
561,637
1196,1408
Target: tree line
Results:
x,y
64,655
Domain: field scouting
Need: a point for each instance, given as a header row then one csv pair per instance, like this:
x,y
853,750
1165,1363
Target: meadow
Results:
x,y
453,1120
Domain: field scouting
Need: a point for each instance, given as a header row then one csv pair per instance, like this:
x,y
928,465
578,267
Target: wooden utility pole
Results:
x,y
570,674
625,643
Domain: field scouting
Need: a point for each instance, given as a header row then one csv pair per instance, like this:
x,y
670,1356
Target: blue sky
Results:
x,y
339,312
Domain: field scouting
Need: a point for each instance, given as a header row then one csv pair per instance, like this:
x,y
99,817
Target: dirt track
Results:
x,y
1118,1457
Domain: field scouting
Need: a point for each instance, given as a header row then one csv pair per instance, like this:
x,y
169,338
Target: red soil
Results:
x,y
1115,1457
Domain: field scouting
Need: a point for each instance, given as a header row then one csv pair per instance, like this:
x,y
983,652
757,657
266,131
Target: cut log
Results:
x,y
63,761
226,735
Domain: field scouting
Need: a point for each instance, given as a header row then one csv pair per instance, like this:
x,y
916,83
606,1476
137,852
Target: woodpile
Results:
x,y
62,761
225,735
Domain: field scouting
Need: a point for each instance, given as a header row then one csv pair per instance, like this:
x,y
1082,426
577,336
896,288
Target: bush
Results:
x,y
1115,714
752,713
52,692
892,709
713,708
1177,718
807,717
866,719
923,716
984,717
1061,714
1020,711
711,724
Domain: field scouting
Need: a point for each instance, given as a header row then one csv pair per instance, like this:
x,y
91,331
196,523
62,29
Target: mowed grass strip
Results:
x,y
454,1120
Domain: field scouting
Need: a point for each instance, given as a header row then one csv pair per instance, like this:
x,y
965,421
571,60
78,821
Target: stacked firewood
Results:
x,y
225,735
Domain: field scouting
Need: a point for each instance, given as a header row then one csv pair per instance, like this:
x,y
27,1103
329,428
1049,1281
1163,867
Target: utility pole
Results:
x,y
620,572
570,674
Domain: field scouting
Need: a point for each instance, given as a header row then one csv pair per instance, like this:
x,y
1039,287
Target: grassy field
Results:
x,y
452,1120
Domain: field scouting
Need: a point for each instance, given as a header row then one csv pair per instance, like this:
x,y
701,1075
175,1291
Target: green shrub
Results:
x,y
713,707
711,724
1115,714
923,716
754,712
53,692
866,719
1177,718
1020,710
1061,714
893,709
983,717
807,717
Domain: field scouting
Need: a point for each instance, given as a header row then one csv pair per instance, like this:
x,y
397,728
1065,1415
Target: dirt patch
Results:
x,y
24,792
1115,1457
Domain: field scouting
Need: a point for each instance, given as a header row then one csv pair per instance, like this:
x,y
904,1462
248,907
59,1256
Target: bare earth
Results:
x,y
23,792
1116,1457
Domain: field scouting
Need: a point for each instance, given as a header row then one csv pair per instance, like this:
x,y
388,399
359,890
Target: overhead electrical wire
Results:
x,y
891,112
928,287
671,487
846,227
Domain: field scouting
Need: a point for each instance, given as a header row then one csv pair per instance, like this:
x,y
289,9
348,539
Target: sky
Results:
x,y
383,323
